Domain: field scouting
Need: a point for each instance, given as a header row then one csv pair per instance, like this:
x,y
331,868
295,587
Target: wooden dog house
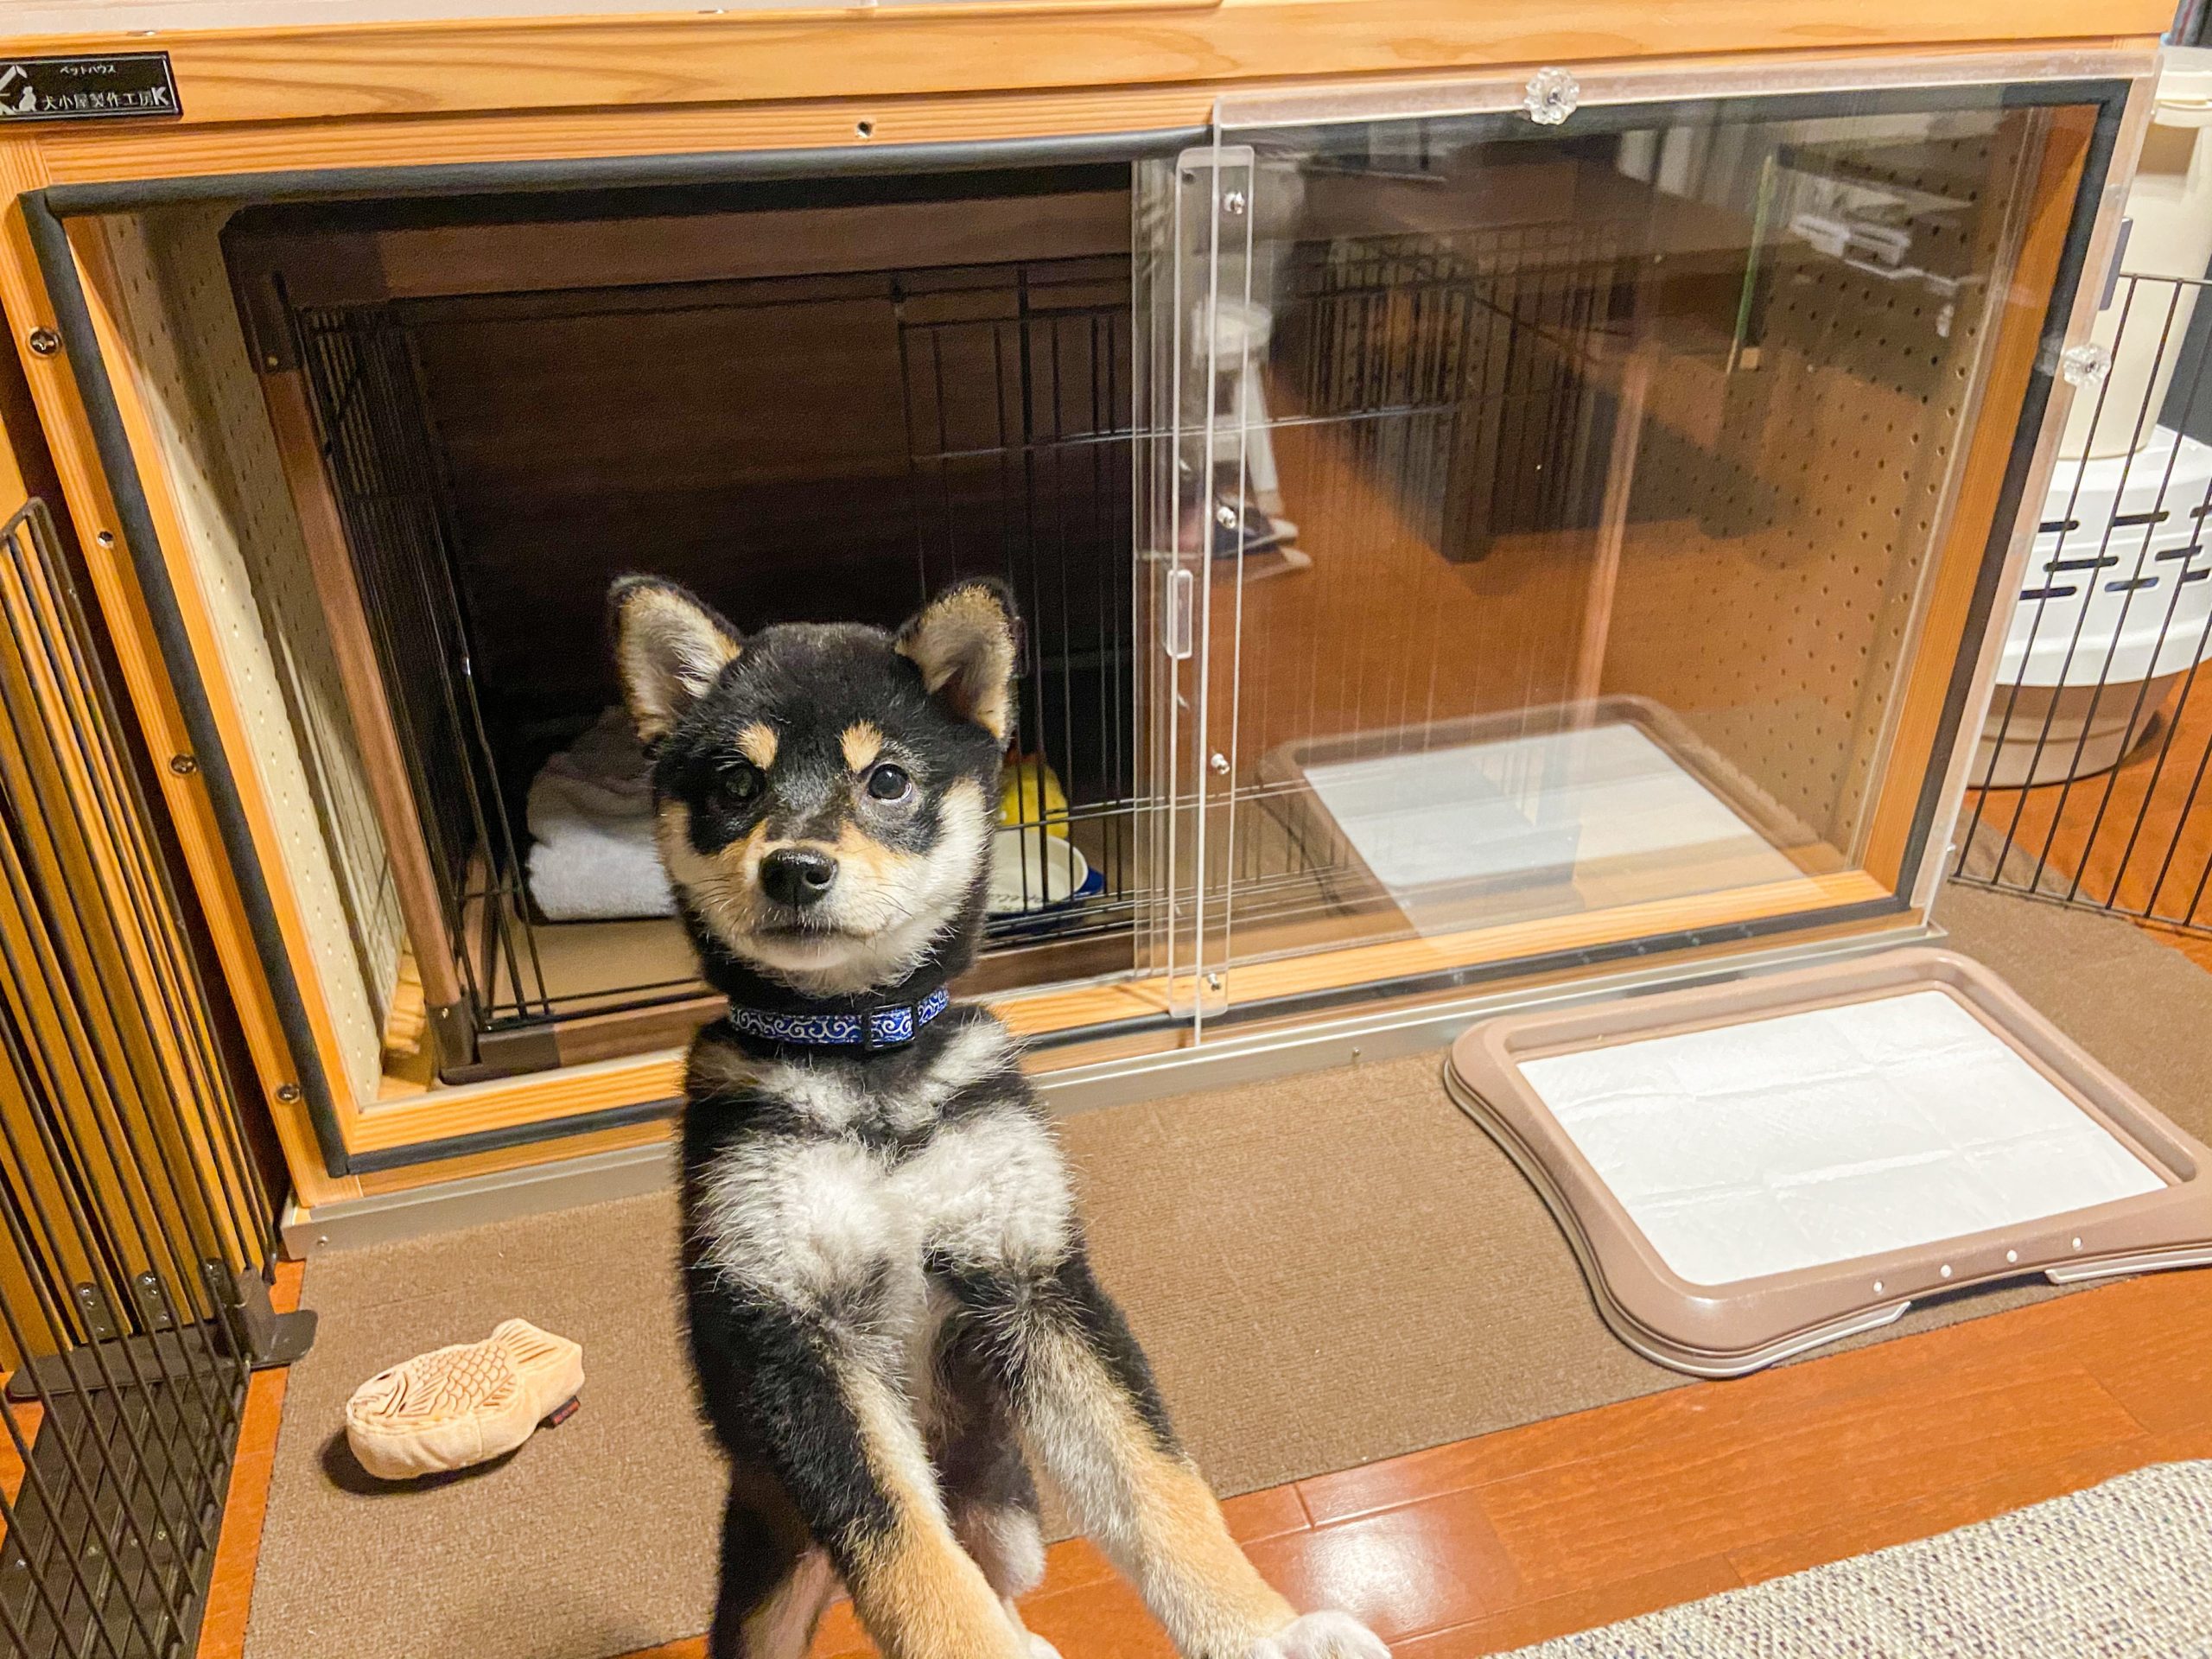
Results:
x,y
1337,383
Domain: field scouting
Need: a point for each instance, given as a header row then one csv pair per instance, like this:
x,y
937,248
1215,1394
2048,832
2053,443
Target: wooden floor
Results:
x,y
1491,1543
230,1591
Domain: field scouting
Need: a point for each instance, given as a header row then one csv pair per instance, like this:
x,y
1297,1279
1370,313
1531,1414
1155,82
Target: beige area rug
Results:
x,y
1326,1270
2121,1569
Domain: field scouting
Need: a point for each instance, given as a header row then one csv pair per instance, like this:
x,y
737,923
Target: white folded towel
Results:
x,y
592,856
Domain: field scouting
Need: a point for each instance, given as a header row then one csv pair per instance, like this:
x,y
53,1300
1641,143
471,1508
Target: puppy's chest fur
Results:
x,y
833,1184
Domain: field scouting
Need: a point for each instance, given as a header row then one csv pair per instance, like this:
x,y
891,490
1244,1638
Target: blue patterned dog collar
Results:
x,y
885,1027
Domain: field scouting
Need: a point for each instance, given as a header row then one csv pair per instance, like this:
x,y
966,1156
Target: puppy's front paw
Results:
x,y
1322,1635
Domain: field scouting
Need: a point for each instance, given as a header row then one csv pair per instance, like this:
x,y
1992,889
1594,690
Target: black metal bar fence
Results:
x,y
2089,786
135,1232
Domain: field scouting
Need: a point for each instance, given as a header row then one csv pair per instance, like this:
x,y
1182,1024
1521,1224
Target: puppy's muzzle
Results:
x,y
796,876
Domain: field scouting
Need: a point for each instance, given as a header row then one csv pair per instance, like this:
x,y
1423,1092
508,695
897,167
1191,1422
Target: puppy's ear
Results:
x,y
668,650
963,641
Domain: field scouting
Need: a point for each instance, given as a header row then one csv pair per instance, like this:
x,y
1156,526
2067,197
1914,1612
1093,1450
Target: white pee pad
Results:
x,y
1806,1139
1533,806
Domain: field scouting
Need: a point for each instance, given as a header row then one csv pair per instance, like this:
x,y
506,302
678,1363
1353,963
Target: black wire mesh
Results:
x,y
128,1204
387,475
1019,440
1016,408
2089,786
1469,357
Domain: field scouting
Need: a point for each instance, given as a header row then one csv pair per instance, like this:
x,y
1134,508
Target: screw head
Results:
x,y
1213,982
105,539
1551,97
1226,516
2086,364
183,764
1232,202
44,343
288,1092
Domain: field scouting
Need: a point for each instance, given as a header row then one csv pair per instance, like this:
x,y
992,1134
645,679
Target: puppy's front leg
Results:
x,y
811,1404
1088,1412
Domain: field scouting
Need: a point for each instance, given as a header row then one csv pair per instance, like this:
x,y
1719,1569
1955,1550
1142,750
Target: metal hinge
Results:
x,y
92,1308
154,1312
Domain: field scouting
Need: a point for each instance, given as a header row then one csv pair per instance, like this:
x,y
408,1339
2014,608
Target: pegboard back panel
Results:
x,y
244,541
1841,416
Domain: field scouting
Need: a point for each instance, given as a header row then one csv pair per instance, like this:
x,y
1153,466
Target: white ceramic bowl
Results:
x,y
1032,871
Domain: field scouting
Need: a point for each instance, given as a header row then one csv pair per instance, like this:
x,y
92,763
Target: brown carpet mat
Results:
x,y
1326,1270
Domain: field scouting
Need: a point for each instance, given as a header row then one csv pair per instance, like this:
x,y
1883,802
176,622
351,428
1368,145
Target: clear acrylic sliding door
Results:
x,y
1542,517
1193,239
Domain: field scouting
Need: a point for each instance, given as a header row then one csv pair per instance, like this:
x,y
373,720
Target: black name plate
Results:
x,y
118,85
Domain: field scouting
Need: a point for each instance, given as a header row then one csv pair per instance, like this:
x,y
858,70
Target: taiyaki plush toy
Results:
x,y
468,1403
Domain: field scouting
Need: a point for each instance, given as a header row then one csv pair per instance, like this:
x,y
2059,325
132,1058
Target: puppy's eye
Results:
x,y
889,783
738,785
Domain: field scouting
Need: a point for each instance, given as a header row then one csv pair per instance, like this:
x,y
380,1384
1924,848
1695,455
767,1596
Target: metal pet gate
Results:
x,y
135,1236
2090,785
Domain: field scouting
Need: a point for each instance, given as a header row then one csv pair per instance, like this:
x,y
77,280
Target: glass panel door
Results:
x,y
1560,505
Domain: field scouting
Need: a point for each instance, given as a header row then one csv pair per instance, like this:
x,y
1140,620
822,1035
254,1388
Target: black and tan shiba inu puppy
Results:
x,y
890,1310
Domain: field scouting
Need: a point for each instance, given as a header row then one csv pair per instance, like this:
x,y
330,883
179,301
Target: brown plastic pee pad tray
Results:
x,y
1751,1169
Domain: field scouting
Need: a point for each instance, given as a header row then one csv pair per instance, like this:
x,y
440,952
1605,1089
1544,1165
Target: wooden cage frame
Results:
x,y
296,98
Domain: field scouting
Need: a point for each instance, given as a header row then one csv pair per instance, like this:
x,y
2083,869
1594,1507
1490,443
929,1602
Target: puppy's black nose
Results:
x,y
796,876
